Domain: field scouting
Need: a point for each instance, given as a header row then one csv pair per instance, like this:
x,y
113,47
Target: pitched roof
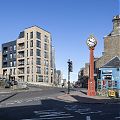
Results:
x,y
114,62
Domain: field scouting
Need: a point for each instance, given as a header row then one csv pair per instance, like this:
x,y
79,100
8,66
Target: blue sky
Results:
x,y
70,23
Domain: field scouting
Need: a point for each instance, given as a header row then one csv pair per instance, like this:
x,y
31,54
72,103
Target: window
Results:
x,y
28,78
10,55
32,70
38,43
38,35
14,63
27,44
46,38
45,46
27,36
38,61
10,64
31,43
46,79
46,71
31,52
46,63
10,48
10,71
31,35
39,78
32,61
14,55
45,54
32,78
28,61
14,71
28,70
14,47
38,69
38,52
27,53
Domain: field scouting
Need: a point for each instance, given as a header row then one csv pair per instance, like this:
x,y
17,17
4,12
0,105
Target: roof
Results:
x,y
113,63
37,27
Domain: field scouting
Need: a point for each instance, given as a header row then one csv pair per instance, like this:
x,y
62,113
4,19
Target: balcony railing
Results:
x,y
20,56
21,47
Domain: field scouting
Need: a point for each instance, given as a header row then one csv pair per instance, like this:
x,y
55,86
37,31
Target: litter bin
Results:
x,y
111,93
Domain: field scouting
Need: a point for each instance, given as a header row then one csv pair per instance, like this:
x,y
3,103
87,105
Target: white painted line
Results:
x,y
49,118
91,112
10,103
117,117
53,115
88,118
43,113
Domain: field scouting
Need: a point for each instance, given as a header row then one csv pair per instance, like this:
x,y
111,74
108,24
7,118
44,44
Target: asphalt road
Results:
x,y
43,105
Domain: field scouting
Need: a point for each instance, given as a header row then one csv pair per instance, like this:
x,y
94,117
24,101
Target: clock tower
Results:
x,y
91,42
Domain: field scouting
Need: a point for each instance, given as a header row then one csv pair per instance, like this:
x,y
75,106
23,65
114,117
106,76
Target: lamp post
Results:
x,y
91,42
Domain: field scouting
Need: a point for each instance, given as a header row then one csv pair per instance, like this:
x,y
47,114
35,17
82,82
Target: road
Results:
x,y
42,104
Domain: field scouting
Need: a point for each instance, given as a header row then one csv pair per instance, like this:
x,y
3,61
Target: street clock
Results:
x,y
91,41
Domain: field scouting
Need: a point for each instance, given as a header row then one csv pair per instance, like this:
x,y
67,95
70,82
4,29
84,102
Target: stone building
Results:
x,y
111,44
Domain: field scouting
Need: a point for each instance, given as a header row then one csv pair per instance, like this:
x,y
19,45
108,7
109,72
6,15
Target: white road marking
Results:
x,y
88,118
50,118
91,112
53,115
10,103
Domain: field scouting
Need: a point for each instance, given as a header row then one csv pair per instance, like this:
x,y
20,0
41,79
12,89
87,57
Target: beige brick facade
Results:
x,y
33,56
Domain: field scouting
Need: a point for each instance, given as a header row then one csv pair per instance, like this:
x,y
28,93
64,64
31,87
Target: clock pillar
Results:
x,y
91,42
91,81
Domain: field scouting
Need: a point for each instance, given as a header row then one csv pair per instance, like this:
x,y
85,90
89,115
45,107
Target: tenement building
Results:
x,y
29,57
111,44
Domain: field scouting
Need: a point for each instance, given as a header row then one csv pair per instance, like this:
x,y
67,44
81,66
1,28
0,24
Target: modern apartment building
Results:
x,y
9,59
28,58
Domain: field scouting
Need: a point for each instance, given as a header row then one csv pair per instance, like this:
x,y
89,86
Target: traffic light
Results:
x,y
70,66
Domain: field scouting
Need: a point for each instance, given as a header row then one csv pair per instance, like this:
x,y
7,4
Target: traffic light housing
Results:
x,y
70,66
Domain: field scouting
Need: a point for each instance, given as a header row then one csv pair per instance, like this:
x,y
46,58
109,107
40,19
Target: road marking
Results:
x,y
91,112
50,118
10,103
117,117
88,118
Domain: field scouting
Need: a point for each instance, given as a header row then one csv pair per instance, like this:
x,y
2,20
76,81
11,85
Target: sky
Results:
x,y
70,23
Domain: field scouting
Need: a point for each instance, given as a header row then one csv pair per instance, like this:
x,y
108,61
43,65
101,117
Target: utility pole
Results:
x,y
70,69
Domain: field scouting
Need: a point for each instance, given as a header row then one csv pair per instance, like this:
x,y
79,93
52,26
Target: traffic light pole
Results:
x,y
68,81
70,69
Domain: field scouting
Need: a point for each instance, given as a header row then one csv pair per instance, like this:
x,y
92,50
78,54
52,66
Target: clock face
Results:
x,y
91,41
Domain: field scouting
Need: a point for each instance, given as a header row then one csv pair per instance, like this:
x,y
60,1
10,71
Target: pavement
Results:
x,y
82,97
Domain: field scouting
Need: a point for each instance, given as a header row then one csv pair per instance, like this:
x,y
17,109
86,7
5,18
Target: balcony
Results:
x,y
21,47
21,63
20,71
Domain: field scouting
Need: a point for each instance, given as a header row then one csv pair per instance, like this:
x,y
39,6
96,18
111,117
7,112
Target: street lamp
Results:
x,y
91,42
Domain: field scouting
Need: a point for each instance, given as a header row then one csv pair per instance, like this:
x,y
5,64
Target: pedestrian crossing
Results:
x,y
50,115
81,110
